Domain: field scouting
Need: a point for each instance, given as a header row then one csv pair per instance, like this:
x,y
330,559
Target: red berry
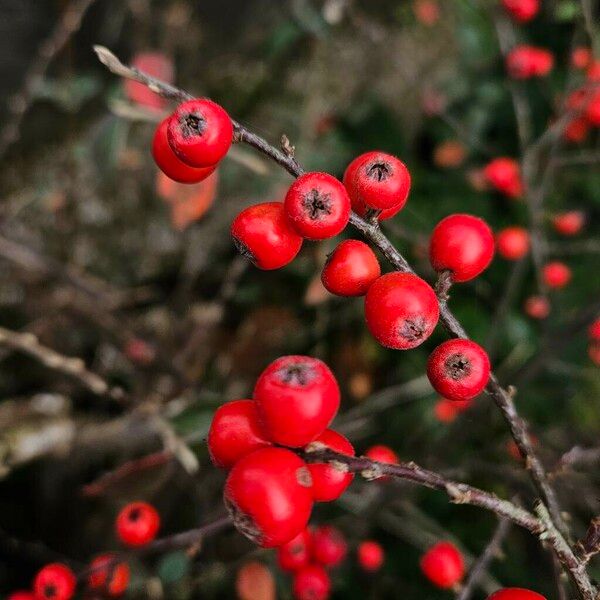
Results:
x,y
379,180
443,565
370,556
263,234
594,353
537,307
104,565
593,72
581,57
200,132
295,554
458,369
594,331
504,174
446,411
235,431
21,595
513,243
268,496
297,398
569,223
576,130
463,245
556,274
525,62
137,524
168,162
515,594
350,269
401,310
426,12
54,582
329,546
522,10
592,112
317,205
329,483
382,454
311,583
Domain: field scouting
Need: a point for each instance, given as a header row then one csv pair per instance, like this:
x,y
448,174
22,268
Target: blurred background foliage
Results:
x,y
102,260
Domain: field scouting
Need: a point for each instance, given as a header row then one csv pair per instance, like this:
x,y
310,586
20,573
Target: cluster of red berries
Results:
x,y
527,62
270,490
583,104
189,144
310,555
522,10
136,525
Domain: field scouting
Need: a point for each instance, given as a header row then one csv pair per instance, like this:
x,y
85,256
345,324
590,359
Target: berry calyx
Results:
x,y
235,431
370,556
350,269
569,223
137,524
329,482
379,180
513,243
443,565
522,10
463,245
504,175
401,310
556,274
329,546
169,163
268,495
317,205
108,575
537,307
515,594
200,132
54,582
311,583
297,398
458,369
263,234
295,554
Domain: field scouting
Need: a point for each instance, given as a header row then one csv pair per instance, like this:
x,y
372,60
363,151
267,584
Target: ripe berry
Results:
x,y
21,595
350,269
263,234
168,162
370,556
443,565
401,310
382,454
381,181
569,223
593,72
200,132
137,524
311,583
446,411
556,274
317,205
268,496
458,369
594,353
522,10
234,432
581,57
512,243
54,582
592,112
329,483
515,594
576,130
104,566
537,307
295,554
525,62
329,546
504,175
594,331
463,245
297,398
